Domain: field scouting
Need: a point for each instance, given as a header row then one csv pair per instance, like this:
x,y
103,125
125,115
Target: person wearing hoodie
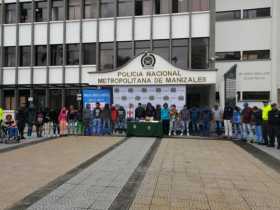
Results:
x,y
106,120
87,120
114,117
150,112
30,119
165,118
157,116
139,112
21,121
53,114
62,119
121,119
185,118
246,117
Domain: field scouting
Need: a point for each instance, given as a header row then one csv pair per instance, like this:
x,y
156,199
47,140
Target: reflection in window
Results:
x,y
25,12
199,5
124,53
90,9
57,10
72,52
74,9
89,53
142,46
25,56
161,6
161,47
228,15
125,8
106,56
107,8
10,56
180,55
56,54
256,55
40,55
143,7
256,13
10,13
179,6
200,53
41,11
225,56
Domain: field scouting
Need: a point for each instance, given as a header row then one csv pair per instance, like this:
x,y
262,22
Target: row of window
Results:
x,y
178,48
247,14
245,55
77,9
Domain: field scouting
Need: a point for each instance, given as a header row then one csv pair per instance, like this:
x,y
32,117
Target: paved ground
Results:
x,y
202,175
24,170
271,151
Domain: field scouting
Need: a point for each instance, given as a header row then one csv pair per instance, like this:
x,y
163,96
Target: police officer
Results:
x,y
274,126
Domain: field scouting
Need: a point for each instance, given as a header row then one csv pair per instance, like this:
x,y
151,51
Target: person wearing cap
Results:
x,y
265,110
274,126
246,118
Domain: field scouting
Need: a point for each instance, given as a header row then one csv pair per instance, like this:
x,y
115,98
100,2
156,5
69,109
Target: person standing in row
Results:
x,y
194,117
54,121
274,126
158,113
228,120
30,119
106,120
257,123
62,119
21,121
97,119
185,117
150,112
39,123
265,128
72,120
139,112
114,117
87,120
217,117
173,117
246,117
165,117
236,123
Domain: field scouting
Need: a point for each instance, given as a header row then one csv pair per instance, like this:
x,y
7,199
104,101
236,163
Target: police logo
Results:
x,y
148,61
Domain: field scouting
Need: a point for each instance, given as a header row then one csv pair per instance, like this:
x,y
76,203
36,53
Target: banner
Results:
x,y
92,96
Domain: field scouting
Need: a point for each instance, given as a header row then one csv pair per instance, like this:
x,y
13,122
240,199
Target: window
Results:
x,y
106,56
161,47
10,13
228,15
125,8
124,53
200,53
143,7
89,53
72,52
142,46
161,6
225,56
10,56
90,9
256,13
41,11
74,9
25,56
56,54
180,55
256,96
57,10
40,55
199,5
107,8
256,55
179,6
25,12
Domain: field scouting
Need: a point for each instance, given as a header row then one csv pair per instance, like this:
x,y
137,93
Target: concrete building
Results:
x,y
52,49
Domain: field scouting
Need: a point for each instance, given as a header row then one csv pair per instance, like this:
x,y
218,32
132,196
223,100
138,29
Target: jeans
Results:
x,y
247,133
106,127
72,127
258,133
194,127
218,128
265,132
165,126
172,126
29,129
12,132
96,125
55,128
205,128
120,125
236,130
186,127
273,134
228,128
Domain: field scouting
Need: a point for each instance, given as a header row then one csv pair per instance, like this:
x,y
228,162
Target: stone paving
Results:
x,y
271,151
24,170
97,186
207,175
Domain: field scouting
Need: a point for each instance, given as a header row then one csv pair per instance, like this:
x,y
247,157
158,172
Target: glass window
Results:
x,y
225,56
125,8
228,15
107,8
26,12
74,9
256,13
161,6
200,53
180,55
90,9
89,53
161,47
142,46
256,55
40,55
256,96
106,56
41,11
10,13
57,10
10,56
72,52
124,53
199,5
179,6
25,56
143,7
56,54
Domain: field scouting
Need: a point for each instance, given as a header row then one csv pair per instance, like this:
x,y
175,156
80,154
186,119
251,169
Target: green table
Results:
x,y
144,129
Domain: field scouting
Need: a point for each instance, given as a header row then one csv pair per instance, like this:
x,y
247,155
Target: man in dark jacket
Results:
x,y
30,119
21,121
274,126
246,117
97,119
227,117
257,122
139,112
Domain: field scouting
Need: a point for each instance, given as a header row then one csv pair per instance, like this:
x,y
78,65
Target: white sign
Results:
x,y
151,69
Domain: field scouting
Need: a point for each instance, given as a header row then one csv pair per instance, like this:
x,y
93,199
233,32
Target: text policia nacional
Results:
x,y
150,77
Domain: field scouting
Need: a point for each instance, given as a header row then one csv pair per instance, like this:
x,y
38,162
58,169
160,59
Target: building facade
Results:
x,y
52,49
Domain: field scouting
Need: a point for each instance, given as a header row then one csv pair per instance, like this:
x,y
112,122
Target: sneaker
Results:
x,y
169,134
181,134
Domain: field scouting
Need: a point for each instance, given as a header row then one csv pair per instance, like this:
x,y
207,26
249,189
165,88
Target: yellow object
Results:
x,y
265,110
1,113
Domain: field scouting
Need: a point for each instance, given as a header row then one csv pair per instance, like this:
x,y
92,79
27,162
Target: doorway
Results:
x,y
199,96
